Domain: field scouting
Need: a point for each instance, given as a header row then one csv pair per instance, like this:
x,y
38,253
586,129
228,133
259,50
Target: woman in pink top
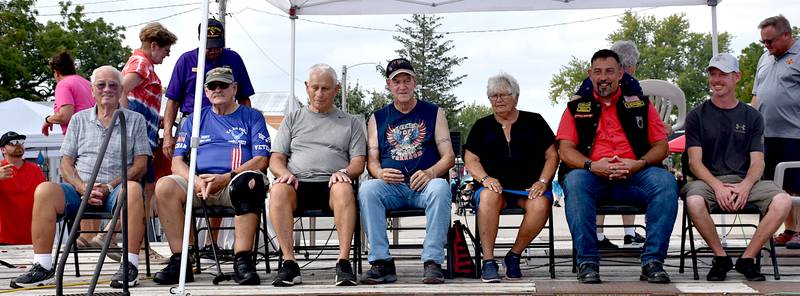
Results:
x,y
73,92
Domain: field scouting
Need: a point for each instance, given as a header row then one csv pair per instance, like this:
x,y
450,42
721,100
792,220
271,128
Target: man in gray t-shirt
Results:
x,y
726,157
316,154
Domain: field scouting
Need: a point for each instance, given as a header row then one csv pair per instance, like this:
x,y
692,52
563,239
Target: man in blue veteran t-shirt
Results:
x,y
233,152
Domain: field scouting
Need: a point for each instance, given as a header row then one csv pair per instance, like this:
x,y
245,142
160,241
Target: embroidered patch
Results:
x,y
587,115
631,98
634,104
584,107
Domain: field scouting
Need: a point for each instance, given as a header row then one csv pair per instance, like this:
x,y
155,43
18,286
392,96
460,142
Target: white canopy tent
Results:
x,y
294,8
25,117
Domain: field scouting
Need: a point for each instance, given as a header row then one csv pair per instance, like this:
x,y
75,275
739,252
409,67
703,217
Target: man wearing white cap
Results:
x,y
728,176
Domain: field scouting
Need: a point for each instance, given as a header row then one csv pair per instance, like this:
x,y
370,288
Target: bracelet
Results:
x,y
544,181
46,119
484,179
109,188
344,171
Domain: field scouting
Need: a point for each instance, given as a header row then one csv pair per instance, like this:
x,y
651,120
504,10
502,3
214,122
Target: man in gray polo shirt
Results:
x,y
319,150
776,94
80,151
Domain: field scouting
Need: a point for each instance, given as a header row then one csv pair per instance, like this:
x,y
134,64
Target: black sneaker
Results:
x,y
344,273
633,241
720,266
244,271
433,273
381,272
606,244
654,273
170,275
748,268
589,273
511,263
117,281
35,276
288,275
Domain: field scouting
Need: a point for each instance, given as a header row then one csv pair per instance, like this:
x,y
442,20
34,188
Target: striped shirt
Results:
x,y
145,98
85,136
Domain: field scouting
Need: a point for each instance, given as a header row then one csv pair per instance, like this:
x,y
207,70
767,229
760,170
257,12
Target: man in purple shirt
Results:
x,y
180,92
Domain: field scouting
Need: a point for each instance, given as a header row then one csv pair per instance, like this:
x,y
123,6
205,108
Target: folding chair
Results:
x,y
227,212
313,214
394,226
95,213
621,252
687,226
549,245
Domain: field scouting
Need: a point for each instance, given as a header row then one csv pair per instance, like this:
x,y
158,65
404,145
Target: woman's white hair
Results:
x,y
502,81
324,68
109,68
627,52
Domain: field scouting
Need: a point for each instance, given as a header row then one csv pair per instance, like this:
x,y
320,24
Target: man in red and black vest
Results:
x,y
612,146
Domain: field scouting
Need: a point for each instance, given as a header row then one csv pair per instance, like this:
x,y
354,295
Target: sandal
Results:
x,y
83,243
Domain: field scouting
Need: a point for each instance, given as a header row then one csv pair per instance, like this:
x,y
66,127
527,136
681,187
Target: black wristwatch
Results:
x,y
587,165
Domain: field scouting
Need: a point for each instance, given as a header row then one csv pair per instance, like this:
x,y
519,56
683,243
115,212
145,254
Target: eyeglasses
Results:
x,y
496,97
16,142
770,41
110,85
215,85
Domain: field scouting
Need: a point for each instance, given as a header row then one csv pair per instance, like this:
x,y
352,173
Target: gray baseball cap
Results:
x,y
725,62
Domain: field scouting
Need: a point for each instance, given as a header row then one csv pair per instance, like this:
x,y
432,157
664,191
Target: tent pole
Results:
x,y
293,18
714,33
195,140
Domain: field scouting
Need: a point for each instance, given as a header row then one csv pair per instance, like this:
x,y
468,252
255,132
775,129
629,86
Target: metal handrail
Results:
x,y
121,206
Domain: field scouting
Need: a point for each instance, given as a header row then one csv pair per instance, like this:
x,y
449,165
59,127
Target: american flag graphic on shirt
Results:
x,y
236,157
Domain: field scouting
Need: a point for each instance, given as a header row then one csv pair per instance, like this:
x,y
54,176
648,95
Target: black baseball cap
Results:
x,y
215,37
399,65
9,136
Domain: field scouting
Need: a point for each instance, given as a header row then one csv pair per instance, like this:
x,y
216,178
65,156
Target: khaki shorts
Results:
x,y
221,198
760,195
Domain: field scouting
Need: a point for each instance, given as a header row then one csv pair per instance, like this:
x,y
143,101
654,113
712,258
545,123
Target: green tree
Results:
x,y
668,51
428,52
26,45
748,61
465,119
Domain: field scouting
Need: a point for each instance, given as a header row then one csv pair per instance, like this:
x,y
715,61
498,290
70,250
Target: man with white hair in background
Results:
x,y
80,152
629,58
318,152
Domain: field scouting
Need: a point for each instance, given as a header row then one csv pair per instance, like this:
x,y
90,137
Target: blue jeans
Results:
x,y
376,197
652,188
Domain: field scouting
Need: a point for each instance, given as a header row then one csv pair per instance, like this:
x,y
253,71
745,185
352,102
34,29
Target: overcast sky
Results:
x,y
533,56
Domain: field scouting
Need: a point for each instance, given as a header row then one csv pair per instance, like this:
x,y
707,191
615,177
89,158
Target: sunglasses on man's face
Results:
x,y
215,85
16,142
100,85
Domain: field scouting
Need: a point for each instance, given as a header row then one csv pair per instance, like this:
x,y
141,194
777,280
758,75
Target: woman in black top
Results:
x,y
512,153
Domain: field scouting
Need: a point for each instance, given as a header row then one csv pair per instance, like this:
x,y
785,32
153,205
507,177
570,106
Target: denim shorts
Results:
x,y
72,201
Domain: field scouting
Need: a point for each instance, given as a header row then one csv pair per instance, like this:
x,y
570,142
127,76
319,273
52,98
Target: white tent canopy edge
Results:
x,y
294,8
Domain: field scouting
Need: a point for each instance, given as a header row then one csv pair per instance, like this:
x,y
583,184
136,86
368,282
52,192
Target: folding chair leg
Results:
x,y
690,227
683,240
267,239
773,255
551,246
478,250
